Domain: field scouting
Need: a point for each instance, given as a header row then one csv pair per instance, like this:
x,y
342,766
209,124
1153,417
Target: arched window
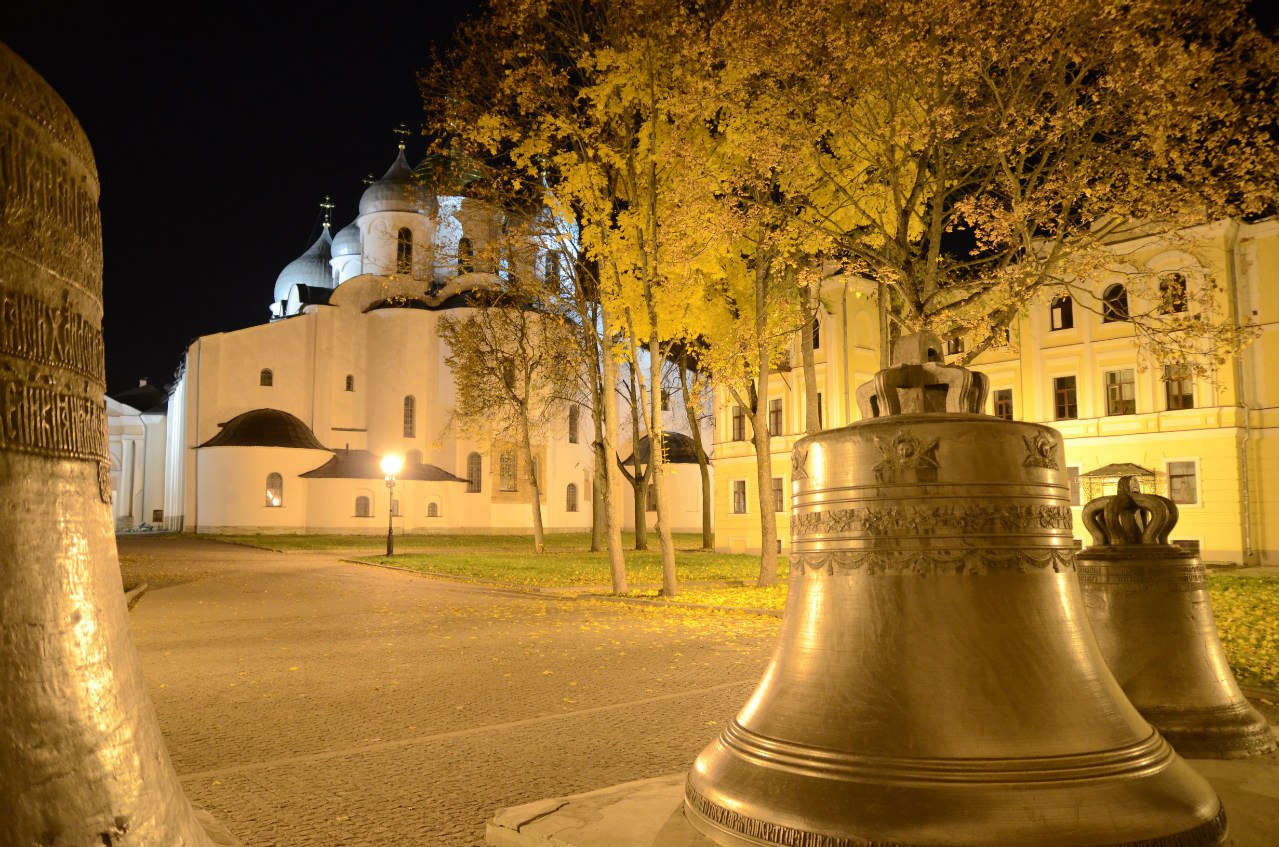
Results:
x,y
410,416
506,471
1061,313
1114,304
274,490
265,377
1172,294
350,382
573,415
570,504
362,507
404,251
432,510
465,256
474,467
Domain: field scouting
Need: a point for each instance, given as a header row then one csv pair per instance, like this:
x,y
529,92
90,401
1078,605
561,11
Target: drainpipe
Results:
x,y
1232,286
844,328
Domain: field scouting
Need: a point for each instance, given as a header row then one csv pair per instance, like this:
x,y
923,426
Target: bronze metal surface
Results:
x,y
1147,601
81,757
935,681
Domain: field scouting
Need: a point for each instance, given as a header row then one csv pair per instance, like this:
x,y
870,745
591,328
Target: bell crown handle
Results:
x,y
1129,516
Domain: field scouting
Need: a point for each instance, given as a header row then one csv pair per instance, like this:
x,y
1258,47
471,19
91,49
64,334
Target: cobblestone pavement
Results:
x,y
310,702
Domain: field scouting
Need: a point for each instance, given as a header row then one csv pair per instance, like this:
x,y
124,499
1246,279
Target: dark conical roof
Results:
x,y
679,449
265,428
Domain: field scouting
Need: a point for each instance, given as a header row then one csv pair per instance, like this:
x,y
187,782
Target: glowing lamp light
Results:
x,y
392,464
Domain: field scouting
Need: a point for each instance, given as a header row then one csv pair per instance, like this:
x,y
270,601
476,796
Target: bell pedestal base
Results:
x,y
650,813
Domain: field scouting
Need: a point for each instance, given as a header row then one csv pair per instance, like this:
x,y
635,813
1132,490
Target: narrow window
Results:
x,y
432,510
1062,313
775,416
954,345
739,496
506,471
265,377
553,269
404,251
1121,392
1065,399
274,490
1172,294
1076,495
1004,403
570,498
1114,304
1183,482
465,256
739,423
362,509
474,467
410,416
817,332
1179,386
650,497
574,413
350,382
778,504
395,508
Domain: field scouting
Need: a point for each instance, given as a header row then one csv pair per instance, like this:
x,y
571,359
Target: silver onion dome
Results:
x,y
311,268
347,241
399,190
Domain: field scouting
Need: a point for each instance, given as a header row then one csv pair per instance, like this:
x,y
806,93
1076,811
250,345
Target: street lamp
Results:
x,y
391,465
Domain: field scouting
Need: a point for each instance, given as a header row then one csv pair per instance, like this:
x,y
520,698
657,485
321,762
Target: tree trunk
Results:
x,y
657,462
600,483
760,435
638,480
539,537
812,413
612,526
703,461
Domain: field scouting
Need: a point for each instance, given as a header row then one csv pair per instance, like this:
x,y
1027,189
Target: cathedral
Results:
x,y
280,427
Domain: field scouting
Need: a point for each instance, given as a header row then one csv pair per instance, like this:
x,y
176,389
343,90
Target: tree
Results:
x,y
512,359
972,156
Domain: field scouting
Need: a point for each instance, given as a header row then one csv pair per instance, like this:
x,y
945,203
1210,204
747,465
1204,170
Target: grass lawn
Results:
x,y
569,541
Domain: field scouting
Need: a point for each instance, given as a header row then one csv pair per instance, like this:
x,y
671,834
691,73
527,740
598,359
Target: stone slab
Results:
x,y
649,813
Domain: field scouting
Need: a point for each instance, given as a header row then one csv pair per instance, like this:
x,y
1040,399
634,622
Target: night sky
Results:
x,y
218,129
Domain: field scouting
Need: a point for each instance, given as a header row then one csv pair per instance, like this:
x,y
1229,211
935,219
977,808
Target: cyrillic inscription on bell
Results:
x,y
935,681
1147,601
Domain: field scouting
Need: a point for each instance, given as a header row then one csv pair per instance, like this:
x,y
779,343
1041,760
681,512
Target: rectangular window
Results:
x,y
506,471
779,505
1121,392
1062,313
1065,398
1183,482
739,496
775,417
650,497
1076,495
739,423
1179,387
1004,403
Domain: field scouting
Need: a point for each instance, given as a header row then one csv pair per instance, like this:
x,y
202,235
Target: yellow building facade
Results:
x,y
1210,442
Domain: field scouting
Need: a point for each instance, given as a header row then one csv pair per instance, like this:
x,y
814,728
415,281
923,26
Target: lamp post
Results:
x,y
391,465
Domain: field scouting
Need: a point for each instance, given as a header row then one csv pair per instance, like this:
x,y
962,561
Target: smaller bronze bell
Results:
x,y
1147,602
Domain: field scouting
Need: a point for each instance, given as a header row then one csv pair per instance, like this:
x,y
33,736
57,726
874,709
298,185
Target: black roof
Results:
x,y
679,449
265,428
144,398
1120,469
363,464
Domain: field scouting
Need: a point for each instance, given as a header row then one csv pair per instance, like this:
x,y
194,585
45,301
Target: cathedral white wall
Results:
x,y
379,234
682,485
232,488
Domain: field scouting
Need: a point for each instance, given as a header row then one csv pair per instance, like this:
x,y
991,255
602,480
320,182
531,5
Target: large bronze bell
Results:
x,y
1147,601
936,682
81,758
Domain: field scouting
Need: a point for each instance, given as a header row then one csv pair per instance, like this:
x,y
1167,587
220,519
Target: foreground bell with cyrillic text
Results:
x,y
1147,601
82,763
935,682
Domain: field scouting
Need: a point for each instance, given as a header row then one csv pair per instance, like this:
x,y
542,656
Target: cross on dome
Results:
x,y
403,132
327,205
